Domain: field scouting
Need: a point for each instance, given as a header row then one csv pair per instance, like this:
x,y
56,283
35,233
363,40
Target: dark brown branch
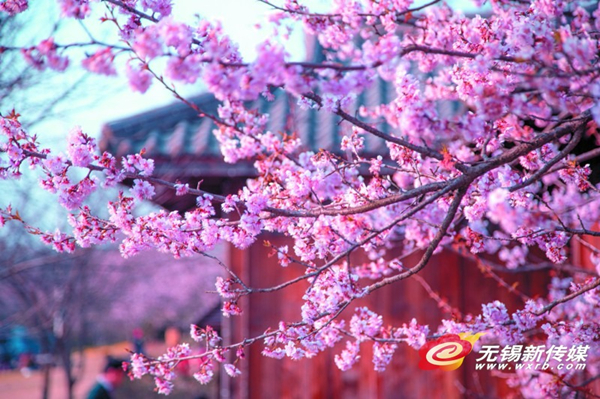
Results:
x,y
586,156
333,16
376,132
392,199
508,156
337,258
452,53
581,232
567,298
441,233
560,156
132,10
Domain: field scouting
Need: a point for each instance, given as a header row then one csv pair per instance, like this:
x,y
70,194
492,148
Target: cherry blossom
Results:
x,y
45,54
484,144
100,62
12,7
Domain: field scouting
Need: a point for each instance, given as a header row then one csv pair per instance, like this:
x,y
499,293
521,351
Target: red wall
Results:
x,y
455,278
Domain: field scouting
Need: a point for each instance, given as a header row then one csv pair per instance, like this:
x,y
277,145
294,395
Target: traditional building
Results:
x,y
184,149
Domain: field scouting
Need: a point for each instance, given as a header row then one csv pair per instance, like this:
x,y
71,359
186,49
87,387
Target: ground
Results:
x,y
14,385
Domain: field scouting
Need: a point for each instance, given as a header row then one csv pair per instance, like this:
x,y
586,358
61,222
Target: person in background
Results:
x,y
138,340
110,379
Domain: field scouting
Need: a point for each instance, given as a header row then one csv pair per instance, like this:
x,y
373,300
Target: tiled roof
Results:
x,y
176,131
176,135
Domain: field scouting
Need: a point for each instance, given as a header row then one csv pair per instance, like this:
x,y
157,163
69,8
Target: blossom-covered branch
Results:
x,y
485,143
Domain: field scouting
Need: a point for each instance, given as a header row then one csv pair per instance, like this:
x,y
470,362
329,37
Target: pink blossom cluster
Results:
x,y
45,55
13,7
330,291
139,77
101,62
301,341
365,325
15,142
163,368
79,9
